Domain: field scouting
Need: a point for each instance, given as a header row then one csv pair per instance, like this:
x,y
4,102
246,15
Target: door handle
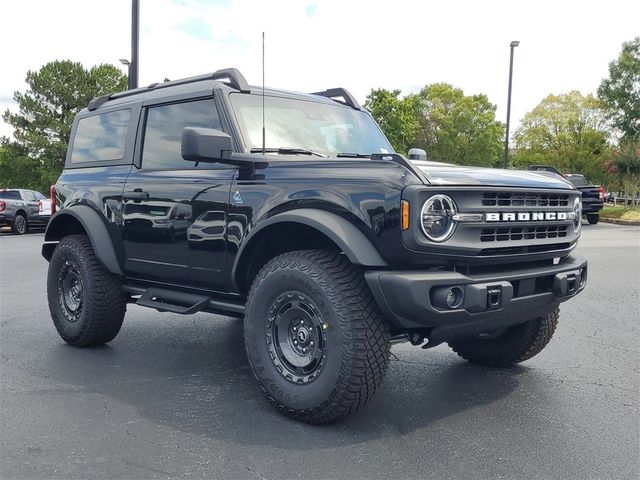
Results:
x,y
136,195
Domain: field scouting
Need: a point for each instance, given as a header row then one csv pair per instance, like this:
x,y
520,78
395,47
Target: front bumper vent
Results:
x,y
522,199
523,233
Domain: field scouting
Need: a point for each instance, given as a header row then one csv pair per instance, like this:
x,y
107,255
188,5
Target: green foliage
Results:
x,y
17,169
458,128
625,163
450,126
566,131
396,116
57,91
620,93
624,212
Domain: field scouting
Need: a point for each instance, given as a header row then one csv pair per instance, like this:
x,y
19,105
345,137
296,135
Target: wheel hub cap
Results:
x,y
296,337
70,291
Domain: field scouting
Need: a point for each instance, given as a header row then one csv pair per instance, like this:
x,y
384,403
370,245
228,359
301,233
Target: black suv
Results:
x,y
293,211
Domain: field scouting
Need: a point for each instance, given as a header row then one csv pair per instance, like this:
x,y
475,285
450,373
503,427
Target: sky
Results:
x,y
313,45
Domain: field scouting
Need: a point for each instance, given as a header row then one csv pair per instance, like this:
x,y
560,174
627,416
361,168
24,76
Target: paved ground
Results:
x,y
172,396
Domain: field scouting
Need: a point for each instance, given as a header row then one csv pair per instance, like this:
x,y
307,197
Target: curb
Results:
x,y
618,221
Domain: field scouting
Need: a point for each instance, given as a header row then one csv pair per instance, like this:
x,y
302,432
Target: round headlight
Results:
x,y
437,218
577,214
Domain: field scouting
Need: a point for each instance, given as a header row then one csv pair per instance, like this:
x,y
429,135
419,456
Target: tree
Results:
x,y
620,93
625,163
57,91
457,128
566,131
396,116
17,169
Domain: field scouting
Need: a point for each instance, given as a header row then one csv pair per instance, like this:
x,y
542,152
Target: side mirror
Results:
x,y
417,154
205,145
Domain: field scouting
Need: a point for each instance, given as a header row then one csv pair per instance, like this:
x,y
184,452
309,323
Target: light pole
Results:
x,y
126,62
513,45
135,28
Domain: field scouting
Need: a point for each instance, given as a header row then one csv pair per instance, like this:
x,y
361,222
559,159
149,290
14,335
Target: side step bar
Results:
x,y
175,301
170,301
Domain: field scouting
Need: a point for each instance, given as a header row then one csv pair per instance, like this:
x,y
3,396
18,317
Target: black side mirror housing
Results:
x,y
205,145
213,146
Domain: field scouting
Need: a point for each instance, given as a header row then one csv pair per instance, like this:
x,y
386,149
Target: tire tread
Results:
x,y
366,332
531,338
105,303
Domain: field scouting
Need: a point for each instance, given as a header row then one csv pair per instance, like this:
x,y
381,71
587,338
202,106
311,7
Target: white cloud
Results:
x,y
318,44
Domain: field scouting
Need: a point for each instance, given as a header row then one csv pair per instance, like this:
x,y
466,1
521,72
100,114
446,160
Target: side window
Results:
x,y
101,137
29,196
163,132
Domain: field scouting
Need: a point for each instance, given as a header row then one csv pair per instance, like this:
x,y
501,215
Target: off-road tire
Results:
x,y
593,218
103,303
515,345
20,226
357,336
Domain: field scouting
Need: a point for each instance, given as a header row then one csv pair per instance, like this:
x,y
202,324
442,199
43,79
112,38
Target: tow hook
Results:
x,y
568,283
494,298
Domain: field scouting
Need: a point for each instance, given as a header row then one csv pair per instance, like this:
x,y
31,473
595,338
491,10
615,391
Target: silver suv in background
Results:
x,y
21,209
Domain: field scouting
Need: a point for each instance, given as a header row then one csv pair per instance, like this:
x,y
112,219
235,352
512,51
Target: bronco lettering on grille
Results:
x,y
525,216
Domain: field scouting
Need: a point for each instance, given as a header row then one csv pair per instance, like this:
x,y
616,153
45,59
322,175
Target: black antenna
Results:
x,y
264,149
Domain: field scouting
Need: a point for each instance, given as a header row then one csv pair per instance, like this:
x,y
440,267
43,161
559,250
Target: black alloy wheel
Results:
x,y
295,337
70,291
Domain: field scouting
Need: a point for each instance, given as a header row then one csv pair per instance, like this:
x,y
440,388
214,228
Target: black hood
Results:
x,y
446,174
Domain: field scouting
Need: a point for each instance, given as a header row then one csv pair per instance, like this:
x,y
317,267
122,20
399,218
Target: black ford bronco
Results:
x,y
293,212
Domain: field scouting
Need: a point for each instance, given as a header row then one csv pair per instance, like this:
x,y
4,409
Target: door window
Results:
x,y
163,132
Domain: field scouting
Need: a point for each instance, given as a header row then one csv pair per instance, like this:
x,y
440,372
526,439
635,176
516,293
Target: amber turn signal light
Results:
x,y
405,214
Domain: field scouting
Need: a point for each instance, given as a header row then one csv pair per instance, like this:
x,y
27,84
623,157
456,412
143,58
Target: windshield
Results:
x,y
314,126
577,180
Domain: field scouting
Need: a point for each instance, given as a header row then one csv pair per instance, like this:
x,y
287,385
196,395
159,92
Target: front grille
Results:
x,y
525,249
523,233
525,199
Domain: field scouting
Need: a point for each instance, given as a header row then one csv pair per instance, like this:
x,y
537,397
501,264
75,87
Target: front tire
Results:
x,y
315,339
593,218
19,225
86,301
516,344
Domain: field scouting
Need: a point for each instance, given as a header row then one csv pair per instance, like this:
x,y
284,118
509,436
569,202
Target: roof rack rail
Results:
x,y
339,92
233,75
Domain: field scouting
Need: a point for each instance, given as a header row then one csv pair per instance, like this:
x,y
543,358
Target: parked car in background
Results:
x,y
21,209
592,195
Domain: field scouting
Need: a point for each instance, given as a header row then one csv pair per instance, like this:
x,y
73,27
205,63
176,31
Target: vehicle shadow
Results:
x,y
194,377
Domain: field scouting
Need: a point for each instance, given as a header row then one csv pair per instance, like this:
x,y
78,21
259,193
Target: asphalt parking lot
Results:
x,y
172,396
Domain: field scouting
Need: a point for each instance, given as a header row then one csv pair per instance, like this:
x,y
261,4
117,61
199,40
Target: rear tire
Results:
x,y
86,301
593,218
20,226
515,345
315,339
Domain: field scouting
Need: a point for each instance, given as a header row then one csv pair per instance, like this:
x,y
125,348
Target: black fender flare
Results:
x,y
97,231
355,245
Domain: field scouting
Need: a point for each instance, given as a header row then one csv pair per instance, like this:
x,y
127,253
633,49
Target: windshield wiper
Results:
x,y
286,150
353,155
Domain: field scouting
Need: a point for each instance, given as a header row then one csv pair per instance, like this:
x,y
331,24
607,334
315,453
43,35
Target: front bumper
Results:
x,y
410,299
